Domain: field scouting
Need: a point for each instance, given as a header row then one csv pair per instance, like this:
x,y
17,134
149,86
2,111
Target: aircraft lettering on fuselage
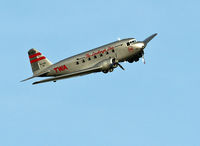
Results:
x,y
99,52
61,68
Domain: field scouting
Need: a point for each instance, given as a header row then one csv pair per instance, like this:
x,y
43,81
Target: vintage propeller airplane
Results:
x,y
102,59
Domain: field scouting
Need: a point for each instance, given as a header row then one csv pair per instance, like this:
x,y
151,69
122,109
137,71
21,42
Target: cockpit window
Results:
x,y
130,42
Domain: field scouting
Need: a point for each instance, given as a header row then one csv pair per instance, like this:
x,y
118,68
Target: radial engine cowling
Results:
x,y
107,64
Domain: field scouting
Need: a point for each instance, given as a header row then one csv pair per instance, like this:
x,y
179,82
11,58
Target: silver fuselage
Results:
x,y
102,59
118,50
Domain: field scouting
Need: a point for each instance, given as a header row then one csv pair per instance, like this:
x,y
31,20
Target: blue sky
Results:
x,y
147,105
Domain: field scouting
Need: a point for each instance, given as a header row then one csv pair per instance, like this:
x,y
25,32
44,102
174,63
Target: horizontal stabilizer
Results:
x,y
28,79
38,75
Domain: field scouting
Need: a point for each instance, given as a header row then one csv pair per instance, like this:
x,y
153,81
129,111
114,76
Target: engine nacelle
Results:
x,y
107,64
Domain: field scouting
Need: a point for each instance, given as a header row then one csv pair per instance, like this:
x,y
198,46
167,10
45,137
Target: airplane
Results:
x,y
102,59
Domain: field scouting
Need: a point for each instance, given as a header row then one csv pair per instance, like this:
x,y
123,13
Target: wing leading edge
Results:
x,y
65,76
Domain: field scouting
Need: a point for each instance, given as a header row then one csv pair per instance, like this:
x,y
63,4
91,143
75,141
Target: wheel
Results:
x,y
111,70
136,59
130,61
105,71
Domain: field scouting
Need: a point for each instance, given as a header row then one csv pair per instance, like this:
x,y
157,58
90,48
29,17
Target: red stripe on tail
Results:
x,y
38,59
34,55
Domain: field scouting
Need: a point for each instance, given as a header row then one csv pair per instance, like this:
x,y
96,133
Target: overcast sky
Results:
x,y
156,104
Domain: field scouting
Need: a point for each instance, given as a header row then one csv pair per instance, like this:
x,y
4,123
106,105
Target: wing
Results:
x,y
78,73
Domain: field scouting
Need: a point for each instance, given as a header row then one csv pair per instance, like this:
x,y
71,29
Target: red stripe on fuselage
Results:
x,y
38,59
34,55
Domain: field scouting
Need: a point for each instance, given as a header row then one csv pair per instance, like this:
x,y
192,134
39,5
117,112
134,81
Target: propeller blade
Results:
x,y
143,60
120,66
147,40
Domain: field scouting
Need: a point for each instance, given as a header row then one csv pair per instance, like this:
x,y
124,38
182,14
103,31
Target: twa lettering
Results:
x,y
99,52
60,68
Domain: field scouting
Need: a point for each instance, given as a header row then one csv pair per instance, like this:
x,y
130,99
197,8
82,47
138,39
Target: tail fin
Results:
x,y
38,61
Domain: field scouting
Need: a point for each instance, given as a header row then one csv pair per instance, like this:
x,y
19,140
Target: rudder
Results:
x,y
38,61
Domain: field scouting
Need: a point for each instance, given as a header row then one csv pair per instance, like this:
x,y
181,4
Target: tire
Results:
x,y
111,70
137,59
131,61
105,71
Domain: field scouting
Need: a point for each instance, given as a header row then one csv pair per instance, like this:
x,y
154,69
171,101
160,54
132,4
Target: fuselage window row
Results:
x,y
101,55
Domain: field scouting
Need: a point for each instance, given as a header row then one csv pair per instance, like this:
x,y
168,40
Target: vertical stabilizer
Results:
x,y
38,61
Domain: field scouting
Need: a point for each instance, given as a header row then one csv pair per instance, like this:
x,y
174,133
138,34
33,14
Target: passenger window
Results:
x,y
95,56
89,58
128,44
77,63
107,52
83,61
113,50
101,55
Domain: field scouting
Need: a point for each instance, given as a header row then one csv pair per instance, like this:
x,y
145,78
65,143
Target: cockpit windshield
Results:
x,y
132,41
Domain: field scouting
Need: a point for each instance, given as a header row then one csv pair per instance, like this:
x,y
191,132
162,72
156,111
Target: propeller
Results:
x,y
120,66
146,41
115,62
143,60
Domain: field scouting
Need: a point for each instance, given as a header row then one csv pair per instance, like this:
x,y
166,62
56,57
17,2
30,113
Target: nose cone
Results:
x,y
140,45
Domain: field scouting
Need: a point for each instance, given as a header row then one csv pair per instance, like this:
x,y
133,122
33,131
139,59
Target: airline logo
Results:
x,y
36,59
61,68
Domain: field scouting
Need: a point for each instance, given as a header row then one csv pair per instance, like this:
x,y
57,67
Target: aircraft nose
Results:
x,y
140,45
143,45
